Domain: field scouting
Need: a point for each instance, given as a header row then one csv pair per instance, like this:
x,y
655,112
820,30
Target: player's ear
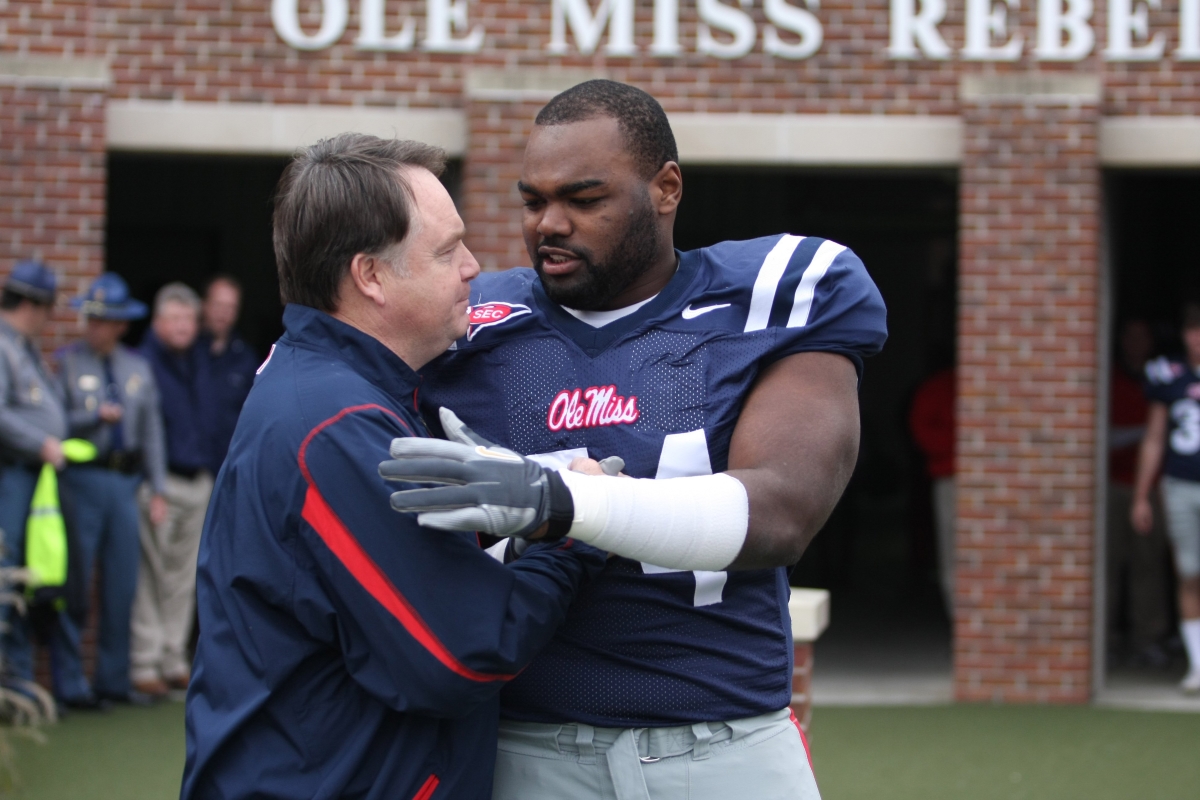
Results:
x,y
666,188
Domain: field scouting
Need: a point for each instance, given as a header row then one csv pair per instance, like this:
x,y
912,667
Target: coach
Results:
x,y
344,651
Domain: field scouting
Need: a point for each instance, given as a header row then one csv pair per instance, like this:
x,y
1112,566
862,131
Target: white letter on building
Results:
x,y
617,14
986,21
666,28
912,29
371,29
1124,23
794,20
724,18
285,16
1054,20
1189,31
442,17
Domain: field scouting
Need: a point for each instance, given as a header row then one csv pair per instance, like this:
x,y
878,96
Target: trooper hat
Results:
x,y
34,280
108,298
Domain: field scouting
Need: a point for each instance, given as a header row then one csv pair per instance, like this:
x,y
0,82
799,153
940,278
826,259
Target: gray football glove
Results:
x,y
485,488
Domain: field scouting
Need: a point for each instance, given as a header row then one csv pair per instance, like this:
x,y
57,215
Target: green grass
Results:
x,y
126,754
972,752
1010,752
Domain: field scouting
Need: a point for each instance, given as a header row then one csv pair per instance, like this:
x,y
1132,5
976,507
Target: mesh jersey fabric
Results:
x,y
1176,385
662,388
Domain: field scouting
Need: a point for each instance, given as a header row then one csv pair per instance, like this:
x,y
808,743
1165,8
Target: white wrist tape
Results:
x,y
696,523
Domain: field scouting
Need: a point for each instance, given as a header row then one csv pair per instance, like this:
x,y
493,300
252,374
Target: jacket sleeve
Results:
x,y
427,621
154,442
16,433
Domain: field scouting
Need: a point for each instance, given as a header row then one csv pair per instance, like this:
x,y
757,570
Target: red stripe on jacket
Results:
x,y
362,567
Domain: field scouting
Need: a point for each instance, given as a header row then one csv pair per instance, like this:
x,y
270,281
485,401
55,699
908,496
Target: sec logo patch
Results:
x,y
485,315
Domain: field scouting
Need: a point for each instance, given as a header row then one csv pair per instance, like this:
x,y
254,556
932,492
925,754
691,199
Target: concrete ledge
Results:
x,y
517,85
1150,141
809,609
818,139
1037,87
55,72
269,130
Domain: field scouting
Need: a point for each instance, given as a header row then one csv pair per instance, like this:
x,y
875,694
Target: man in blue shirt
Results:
x,y
231,361
346,652
165,604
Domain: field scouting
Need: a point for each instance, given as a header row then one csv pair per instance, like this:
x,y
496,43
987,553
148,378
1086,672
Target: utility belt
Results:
x,y
187,473
127,462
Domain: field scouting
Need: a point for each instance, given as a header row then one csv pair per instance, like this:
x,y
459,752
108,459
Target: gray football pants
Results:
x,y
765,758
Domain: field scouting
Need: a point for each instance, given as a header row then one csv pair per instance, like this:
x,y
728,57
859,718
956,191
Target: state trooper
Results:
x,y
113,401
32,426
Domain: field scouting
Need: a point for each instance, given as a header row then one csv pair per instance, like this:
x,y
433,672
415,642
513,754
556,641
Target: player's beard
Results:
x,y
593,286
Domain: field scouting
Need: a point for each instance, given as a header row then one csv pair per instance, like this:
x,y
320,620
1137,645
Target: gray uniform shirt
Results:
x,y
85,385
31,406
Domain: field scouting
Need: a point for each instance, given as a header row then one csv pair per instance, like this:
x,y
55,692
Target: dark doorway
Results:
x,y
877,554
188,218
1151,218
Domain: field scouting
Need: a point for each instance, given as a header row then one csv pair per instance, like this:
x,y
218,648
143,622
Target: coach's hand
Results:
x,y
485,487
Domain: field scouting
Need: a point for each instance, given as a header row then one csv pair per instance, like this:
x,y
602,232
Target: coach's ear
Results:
x,y
366,277
666,188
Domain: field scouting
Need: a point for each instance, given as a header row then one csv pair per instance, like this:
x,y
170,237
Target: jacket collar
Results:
x,y
315,330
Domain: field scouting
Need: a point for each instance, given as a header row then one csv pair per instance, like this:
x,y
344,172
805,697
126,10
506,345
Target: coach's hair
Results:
x,y
1191,315
640,118
341,197
176,292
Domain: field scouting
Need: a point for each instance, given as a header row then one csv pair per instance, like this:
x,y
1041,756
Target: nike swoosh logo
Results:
x,y
692,313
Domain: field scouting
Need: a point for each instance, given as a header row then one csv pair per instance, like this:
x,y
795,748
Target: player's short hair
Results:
x,y
225,278
1191,315
640,118
341,197
176,292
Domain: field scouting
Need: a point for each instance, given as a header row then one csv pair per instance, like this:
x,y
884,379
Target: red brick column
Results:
x,y
1027,399
52,186
496,136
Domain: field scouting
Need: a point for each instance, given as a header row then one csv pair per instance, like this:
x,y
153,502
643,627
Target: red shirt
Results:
x,y
932,422
1127,409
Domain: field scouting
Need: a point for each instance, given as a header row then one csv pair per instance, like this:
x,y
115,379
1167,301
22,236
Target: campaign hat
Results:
x,y
34,280
108,298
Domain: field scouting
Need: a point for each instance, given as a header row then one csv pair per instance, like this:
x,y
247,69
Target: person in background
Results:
x,y
163,608
1135,562
112,401
33,423
931,421
231,361
1172,444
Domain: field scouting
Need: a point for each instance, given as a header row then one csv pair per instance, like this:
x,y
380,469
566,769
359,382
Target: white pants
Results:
x,y
166,593
760,758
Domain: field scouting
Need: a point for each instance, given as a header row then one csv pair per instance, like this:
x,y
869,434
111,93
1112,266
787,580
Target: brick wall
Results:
x,y
1027,395
1028,246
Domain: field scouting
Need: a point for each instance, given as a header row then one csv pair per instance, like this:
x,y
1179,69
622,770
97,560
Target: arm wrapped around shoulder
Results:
x,y
695,523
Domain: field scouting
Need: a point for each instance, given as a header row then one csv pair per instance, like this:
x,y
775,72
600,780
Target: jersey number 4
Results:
x,y
683,455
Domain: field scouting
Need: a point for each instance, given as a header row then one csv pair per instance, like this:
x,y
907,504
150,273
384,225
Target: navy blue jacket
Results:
x,y
184,390
231,374
346,652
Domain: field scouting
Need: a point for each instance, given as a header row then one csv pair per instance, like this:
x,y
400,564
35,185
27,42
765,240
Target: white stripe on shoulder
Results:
x,y
807,289
769,275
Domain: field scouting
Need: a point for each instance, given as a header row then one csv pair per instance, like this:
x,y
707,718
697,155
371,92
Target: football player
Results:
x,y
727,380
1172,443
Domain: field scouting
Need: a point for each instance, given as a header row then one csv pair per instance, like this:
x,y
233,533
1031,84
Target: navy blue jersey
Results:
x,y
662,388
1176,385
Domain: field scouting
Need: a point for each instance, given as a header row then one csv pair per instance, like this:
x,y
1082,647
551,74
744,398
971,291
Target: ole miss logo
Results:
x,y
486,315
593,407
